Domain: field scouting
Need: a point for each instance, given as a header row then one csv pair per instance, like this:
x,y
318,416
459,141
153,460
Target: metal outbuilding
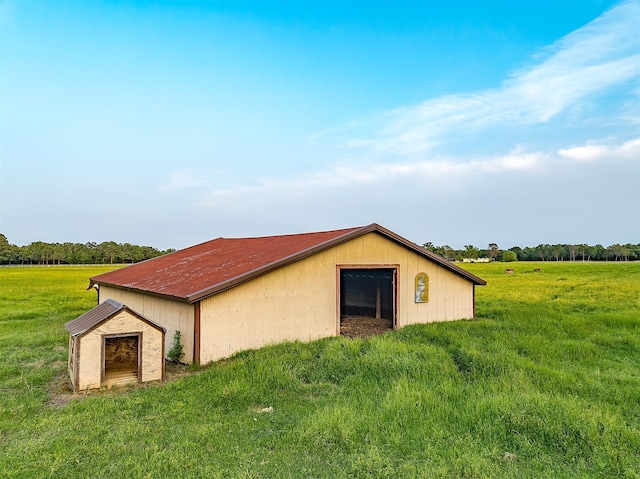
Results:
x,y
112,344
233,294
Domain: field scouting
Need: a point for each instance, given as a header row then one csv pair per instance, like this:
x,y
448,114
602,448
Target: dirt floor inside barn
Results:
x,y
363,326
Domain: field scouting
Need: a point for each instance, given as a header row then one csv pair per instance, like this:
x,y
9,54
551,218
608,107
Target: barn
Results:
x,y
232,294
114,345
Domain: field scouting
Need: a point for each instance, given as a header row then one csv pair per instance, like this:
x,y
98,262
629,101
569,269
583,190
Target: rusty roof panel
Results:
x,y
208,268
200,268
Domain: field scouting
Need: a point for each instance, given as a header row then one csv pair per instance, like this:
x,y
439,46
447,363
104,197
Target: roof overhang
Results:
x,y
101,313
181,299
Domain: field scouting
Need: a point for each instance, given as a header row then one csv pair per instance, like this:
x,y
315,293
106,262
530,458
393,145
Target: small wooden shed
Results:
x,y
112,344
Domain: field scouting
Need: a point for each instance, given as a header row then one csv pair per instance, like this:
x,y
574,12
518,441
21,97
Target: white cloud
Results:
x,y
516,160
591,60
585,153
593,152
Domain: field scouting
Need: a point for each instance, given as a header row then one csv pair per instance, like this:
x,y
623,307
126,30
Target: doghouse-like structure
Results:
x,y
113,345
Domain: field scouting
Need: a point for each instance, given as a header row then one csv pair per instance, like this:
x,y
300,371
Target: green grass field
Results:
x,y
546,383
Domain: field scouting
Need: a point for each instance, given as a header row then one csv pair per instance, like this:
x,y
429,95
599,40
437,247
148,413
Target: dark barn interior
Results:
x,y
367,301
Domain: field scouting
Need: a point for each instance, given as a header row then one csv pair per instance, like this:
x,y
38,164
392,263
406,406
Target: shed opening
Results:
x,y
121,359
367,301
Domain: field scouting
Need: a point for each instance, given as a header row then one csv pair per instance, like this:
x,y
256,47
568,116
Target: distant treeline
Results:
x,y
542,252
108,252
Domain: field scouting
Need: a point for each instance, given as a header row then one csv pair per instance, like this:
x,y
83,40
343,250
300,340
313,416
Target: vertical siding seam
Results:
x,y
196,332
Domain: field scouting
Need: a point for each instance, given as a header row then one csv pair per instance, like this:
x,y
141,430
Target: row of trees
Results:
x,y
107,252
110,252
542,252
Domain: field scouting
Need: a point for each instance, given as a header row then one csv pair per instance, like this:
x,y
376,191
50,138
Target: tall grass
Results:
x,y
544,384
35,302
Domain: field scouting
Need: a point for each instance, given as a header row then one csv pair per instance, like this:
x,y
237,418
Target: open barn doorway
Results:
x,y
121,359
367,299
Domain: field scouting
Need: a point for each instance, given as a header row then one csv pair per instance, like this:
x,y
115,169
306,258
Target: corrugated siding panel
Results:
x,y
172,315
286,304
298,301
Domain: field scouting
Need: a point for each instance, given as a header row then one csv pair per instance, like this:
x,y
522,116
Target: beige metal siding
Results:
x,y
172,315
286,304
90,362
450,295
299,302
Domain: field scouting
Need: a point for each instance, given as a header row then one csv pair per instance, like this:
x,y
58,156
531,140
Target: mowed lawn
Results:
x,y
545,383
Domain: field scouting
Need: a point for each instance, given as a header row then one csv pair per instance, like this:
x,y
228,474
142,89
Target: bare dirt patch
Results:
x,y
363,326
61,392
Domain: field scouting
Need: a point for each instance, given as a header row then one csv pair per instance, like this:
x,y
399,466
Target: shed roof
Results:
x,y
99,314
203,270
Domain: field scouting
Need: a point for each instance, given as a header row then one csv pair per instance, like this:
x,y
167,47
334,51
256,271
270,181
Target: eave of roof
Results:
x,y
422,251
334,238
101,313
93,317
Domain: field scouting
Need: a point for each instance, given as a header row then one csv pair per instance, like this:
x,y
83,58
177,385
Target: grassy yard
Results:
x,y
546,383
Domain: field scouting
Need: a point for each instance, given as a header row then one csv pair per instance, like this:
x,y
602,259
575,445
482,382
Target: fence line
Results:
x,y
81,265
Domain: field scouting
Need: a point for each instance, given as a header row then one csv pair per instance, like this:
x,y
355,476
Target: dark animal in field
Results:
x,y
537,270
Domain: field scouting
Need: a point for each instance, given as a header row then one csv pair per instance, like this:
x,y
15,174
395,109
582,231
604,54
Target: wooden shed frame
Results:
x,y
86,325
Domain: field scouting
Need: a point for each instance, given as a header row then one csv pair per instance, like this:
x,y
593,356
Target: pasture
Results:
x,y
545,383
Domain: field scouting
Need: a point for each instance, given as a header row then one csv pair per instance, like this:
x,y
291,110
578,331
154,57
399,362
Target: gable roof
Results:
x,y
99,314
203,270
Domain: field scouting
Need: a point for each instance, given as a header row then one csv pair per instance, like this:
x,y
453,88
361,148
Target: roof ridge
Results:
x,y
114,303
299,254
208,268
290,234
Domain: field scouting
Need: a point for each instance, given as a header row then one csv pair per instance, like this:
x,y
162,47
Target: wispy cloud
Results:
x,y
184,179
518,160
587,62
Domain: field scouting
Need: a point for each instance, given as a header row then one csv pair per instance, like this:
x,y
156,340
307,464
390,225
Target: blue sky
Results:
x,y
459,122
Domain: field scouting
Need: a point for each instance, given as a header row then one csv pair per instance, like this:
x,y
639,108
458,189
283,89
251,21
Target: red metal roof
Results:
x,y
197,268
208,268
